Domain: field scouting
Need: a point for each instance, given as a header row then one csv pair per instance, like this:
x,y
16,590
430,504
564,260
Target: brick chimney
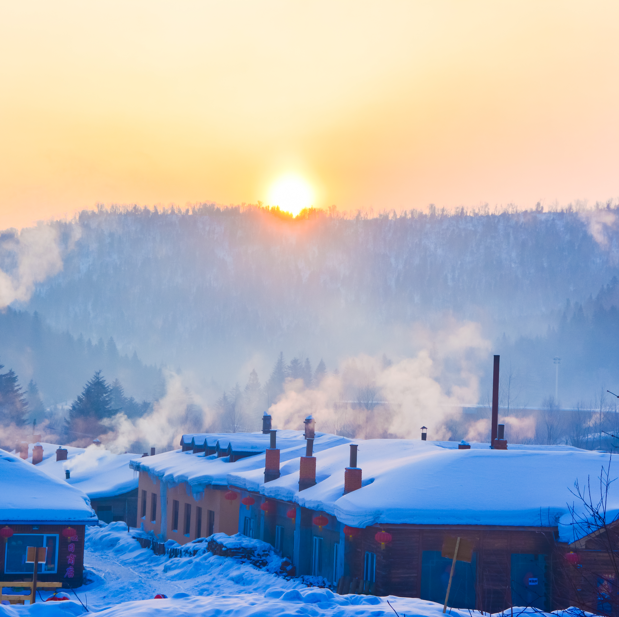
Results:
x,y
271,463
310,426
352,474
266,423
37,454
61,454
307,470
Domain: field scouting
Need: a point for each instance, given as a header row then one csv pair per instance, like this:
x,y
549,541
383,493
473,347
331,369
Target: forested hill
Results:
x,y
60,363
209,288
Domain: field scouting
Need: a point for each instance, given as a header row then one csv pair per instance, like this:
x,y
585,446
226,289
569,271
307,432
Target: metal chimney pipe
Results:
x,y
152,451
273,434
266,423
501,431
309,447
495,400
353,456
67,474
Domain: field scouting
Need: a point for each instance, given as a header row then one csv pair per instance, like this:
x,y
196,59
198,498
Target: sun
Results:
x,y
291,194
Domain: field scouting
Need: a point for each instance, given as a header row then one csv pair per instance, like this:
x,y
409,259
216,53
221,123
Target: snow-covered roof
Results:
x,y
416,482
94,470
31,496
200,471
245,442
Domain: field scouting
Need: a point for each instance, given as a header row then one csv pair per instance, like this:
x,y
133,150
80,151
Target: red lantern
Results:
x,y
572,558
267,507
6,532
69,532
383,537
351,532
320,521
292,514
230,495
248,501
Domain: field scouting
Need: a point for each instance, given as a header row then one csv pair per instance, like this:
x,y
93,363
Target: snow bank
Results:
x,y
31,496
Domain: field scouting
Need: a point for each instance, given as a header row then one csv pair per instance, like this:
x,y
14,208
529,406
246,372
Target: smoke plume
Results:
x,y
426,389
28,258
599,224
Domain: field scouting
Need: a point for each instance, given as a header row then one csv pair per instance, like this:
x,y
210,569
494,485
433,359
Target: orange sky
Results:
x,y
382,104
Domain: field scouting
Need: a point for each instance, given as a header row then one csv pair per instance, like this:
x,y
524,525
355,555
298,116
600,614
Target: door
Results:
x,y
528,581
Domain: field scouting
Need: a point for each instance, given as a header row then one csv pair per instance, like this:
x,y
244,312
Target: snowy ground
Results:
x,y
124,579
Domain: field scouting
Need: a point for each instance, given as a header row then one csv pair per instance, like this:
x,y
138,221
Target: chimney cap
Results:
x,y
266,413
310,417
465,443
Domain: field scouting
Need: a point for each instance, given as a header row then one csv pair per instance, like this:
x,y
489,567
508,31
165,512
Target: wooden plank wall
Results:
x,y
398,566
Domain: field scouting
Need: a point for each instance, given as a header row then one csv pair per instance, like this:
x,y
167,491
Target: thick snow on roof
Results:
x,y
200,471
246,442
418,482
30,495
94,470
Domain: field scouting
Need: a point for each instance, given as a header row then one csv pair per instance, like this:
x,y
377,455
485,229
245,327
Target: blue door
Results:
x,y
528,581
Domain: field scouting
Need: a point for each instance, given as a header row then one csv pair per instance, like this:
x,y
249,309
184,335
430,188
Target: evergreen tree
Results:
x,y
295,369
307,373
35,404
13,404
90,408
321,371
275,385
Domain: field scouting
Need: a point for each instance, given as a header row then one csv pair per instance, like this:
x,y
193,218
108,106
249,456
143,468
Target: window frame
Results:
x,y
317,553
279,538
198,522
153,507
187,521
210,523
369,567
44,536
176,506
143,508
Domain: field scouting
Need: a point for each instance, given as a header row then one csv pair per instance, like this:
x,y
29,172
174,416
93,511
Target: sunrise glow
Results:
x,y
291,194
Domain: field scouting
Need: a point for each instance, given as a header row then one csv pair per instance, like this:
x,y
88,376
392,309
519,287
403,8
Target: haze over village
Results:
x,y
309,309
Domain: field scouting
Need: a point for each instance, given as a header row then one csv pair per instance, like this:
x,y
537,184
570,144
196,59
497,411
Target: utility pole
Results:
x,y
557,361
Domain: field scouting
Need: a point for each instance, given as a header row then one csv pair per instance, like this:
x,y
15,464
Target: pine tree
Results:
x,y
295,369
35,404
88,410
13,404
307,373
321,371
118,395
275,385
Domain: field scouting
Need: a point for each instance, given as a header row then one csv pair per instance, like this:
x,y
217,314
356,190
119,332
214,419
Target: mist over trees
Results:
x,y
214,290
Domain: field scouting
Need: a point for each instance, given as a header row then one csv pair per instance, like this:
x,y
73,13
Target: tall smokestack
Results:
x,y
495,401
352,474
271,461
307,467
266,423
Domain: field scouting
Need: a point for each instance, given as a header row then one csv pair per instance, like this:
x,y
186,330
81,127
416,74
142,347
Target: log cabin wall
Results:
x,y
500,561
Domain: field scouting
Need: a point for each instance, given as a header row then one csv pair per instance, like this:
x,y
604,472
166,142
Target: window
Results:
x,y
336,559
143,514
210,530
187,519
317,557
369,567
279,538
248,527
175,509
198,522
17,547
153,507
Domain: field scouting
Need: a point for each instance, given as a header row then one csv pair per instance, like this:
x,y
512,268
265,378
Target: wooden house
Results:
x,y
37,510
